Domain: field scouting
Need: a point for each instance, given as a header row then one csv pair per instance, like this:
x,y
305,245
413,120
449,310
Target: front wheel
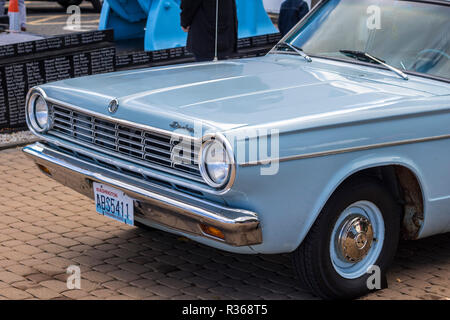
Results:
x,y
356,234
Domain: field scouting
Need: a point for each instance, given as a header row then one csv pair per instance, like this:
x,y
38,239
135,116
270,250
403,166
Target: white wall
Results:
x,y
273,6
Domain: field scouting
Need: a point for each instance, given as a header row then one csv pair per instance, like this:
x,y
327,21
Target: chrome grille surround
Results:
x,y
155,149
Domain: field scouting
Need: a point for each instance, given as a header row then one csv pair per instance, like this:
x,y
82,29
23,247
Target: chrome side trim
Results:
x,y
344,150
185,214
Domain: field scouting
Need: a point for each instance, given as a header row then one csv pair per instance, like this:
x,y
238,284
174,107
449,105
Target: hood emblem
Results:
x,y
176,125
113,106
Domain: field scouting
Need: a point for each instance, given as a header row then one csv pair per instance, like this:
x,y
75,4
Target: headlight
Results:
x,y
216,164
41,112
38,112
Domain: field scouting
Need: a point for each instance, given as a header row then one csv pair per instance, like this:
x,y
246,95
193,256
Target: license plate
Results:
x,y
113,203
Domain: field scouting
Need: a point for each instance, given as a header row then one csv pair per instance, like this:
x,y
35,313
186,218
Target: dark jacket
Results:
x,y
200,16
291,12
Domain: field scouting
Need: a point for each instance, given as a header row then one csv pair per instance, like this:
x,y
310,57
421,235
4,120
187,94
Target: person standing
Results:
x,y
291,12
198,18
23,15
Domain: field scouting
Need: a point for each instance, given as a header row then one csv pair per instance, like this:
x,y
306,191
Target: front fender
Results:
x,y
359,164
290,201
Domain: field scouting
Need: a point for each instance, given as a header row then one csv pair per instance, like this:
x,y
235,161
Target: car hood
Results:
x,y
239,93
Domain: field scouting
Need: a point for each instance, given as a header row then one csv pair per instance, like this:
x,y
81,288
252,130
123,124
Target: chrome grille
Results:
x,y
153,148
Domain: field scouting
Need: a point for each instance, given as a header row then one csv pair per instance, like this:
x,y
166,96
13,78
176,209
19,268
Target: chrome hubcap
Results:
x,y
355,238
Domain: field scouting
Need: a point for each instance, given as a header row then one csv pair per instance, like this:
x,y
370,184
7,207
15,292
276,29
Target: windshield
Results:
x,y
411,36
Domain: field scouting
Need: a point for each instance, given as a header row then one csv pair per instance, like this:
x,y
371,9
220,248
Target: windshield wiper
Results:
x,y
364,56
299,51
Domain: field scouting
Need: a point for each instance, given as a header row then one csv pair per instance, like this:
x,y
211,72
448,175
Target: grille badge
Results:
x,y
113,106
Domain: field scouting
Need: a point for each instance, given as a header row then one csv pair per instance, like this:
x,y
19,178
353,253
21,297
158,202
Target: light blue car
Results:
x,y
331,147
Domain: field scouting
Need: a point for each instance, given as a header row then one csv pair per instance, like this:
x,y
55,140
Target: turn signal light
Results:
x,y
44,169
212,231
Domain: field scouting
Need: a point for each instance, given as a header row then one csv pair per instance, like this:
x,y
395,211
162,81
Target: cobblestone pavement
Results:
x,y
45,227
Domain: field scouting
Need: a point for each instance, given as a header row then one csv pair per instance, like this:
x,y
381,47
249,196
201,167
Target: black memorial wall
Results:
x,y
28,64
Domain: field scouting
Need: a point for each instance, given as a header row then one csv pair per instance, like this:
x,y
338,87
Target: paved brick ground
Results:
x,y
45,227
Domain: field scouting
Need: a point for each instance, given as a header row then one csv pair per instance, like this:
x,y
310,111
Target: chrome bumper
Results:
x,y
153,204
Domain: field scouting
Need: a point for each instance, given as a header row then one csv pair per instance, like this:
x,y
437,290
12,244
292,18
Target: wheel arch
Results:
x,y
403,184
403,179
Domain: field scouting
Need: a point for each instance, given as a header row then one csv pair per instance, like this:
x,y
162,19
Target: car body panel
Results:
x,y
304,192
232,94
315,162
333,118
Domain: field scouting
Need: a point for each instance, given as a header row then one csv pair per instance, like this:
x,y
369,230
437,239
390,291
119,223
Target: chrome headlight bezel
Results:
x,y
207,142
33,97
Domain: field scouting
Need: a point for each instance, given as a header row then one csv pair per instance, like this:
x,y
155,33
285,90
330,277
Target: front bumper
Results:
x,y
153,204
